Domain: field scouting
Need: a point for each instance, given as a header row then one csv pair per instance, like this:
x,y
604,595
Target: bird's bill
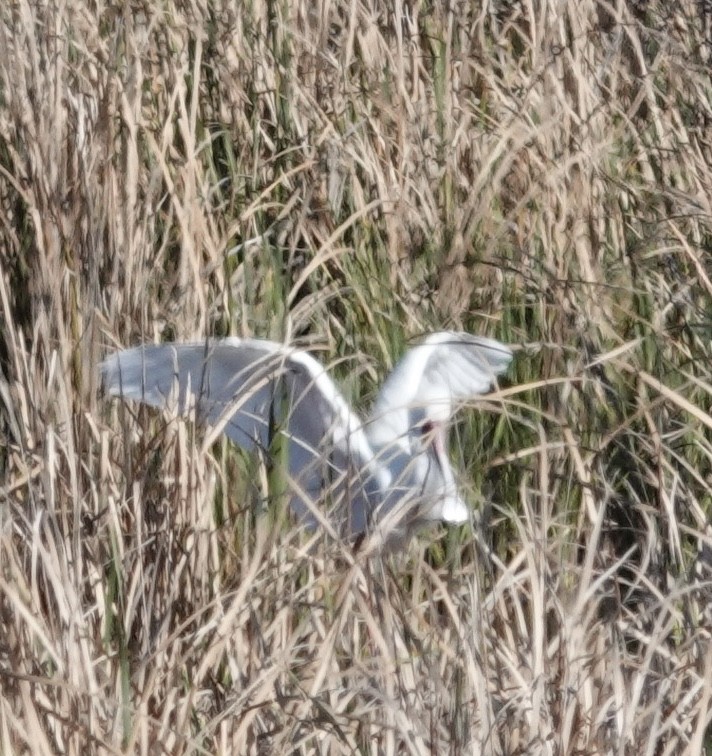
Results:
x,y
452,508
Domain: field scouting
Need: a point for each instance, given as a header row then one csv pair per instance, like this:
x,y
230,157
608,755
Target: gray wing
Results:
x,y
253,390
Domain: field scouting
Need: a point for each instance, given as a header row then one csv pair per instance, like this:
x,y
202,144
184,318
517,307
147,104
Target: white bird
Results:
x,y
389,475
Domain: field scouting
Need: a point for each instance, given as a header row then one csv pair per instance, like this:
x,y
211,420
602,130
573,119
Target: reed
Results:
x,y
347,176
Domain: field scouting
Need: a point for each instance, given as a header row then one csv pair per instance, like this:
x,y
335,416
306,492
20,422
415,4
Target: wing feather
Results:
x,y
446,369
248,388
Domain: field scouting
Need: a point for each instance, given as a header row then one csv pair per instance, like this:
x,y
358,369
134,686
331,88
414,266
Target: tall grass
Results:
x,y
347,176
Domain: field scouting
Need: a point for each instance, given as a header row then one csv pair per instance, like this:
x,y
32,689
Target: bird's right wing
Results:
x,y
432,378
253,389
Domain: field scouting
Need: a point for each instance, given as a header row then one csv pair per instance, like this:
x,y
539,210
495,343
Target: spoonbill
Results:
x,y
389,474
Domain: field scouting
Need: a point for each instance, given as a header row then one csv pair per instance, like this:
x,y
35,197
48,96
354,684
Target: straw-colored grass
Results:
x,y
347,175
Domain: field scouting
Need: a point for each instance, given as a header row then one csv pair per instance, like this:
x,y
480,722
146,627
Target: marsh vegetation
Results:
x,y
347,176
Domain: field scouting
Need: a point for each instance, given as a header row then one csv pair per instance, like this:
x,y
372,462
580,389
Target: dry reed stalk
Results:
x,y
349,175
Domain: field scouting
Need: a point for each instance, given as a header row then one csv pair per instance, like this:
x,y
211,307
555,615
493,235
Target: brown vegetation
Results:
x,y
348,175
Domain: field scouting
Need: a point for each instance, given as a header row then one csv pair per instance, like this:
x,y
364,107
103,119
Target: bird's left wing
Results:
x,y
252,389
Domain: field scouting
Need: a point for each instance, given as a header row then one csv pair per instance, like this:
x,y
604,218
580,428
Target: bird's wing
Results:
x,y
447,368
252,389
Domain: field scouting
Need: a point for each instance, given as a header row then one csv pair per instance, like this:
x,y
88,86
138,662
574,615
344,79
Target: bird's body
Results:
x,y
390,474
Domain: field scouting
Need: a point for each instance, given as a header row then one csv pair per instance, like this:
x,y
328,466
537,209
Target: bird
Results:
x,y
388,475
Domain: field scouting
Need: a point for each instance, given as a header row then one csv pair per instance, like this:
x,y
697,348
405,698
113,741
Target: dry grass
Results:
x,y
349,174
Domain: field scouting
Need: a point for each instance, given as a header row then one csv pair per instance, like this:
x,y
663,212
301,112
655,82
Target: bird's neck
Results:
x,y
388,430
